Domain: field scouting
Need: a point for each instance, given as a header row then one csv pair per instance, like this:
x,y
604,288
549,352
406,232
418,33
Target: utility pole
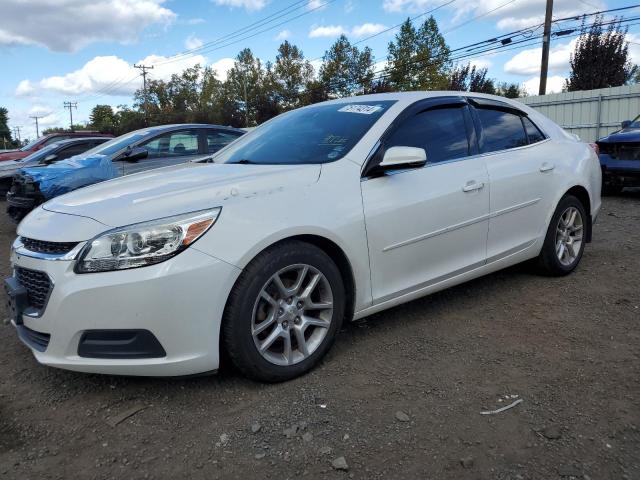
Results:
x,y
16,132
546,41
36,117
70,106
144,69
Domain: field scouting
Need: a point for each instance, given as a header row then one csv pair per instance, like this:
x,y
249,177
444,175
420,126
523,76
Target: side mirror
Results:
x,y
134,154
403,157
626,124
49,158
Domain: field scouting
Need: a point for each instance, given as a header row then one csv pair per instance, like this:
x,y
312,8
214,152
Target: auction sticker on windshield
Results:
x,y
364,109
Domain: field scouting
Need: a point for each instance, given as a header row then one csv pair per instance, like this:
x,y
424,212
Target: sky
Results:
x,y
81,51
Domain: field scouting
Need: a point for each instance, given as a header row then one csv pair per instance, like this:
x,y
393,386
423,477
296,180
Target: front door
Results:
x,y
170,148
428,224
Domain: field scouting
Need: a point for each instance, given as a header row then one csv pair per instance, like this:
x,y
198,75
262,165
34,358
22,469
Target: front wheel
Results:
x,y
565,239
284,312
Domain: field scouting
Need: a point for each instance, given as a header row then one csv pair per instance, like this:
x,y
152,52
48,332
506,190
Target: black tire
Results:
x,y
237,339
548,262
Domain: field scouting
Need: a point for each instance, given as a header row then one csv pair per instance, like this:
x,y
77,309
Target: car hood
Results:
x,y
13,155
623,136
179,189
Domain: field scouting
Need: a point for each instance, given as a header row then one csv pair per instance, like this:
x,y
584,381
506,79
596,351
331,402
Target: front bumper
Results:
x,y
179,301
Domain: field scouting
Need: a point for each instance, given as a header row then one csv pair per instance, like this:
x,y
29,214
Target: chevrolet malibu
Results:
x,y
327,213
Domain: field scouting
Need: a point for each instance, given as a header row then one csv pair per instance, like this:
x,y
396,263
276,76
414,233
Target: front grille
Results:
x,y
621,151
37,340
38,286
42,246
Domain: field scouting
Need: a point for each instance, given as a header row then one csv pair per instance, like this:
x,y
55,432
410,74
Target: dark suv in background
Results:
x,y
620,158
133,152
48,140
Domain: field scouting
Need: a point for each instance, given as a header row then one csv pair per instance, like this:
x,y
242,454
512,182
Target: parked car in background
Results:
x,y
620,158
53,152
330,212
131,153
47,140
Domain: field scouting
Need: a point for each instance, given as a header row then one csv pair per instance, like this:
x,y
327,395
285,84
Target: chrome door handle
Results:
x,y
547,167
472,186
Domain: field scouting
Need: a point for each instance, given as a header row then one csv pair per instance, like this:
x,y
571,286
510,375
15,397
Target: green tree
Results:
x,y
103,119
346,70
510,90
418,59
468,78
244,89
291,73
600,58
6,140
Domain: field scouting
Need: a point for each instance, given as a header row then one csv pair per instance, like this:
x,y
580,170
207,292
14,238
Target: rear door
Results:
x,y
425,225
521,171
170,148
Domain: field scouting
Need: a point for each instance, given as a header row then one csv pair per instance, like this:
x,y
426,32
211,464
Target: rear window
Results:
x,y
500,130
533,133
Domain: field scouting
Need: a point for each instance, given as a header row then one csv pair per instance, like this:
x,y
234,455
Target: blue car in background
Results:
x,y
53,152
620,158
133,152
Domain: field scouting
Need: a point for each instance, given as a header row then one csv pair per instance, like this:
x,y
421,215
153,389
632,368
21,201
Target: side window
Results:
x,y
173,144
533,132
216,139
72,150
441,132
51,140
500,130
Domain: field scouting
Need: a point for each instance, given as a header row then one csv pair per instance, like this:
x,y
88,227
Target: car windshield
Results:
x,y
40,154
317,134
117,144
30,145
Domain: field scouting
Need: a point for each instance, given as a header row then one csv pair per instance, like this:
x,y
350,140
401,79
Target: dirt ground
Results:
x,y
399,396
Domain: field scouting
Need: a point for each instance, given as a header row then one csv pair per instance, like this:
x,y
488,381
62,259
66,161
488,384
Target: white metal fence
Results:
x,y
591,114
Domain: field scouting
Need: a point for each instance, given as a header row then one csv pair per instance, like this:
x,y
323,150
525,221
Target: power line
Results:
x,y
36,117
71,106
144,74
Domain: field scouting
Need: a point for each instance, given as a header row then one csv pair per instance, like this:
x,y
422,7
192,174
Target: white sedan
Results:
x,y
327,213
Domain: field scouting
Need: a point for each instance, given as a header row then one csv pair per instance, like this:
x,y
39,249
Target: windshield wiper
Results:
x,y
244,161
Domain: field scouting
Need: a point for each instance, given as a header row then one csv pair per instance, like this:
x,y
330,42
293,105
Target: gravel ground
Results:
x,y
399,396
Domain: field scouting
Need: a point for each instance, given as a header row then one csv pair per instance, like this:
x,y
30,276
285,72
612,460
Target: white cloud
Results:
x,y
367,29
480,63
349,6
192,42
250,5
195,21
222,67
69,25
283,35
327,31
24,89
512,16
527,62
316,4
107,74
554,85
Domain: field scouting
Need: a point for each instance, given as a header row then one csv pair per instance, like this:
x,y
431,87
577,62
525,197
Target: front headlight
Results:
x,y
145,243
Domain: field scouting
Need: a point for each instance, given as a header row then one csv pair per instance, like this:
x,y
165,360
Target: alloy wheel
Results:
x,y
569,236
292,314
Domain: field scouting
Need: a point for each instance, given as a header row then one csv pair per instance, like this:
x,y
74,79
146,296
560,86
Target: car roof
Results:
x,y
79,140
179,126
407,98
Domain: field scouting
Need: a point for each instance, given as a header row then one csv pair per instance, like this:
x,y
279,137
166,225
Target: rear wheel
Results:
x,y
565,239
284,312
